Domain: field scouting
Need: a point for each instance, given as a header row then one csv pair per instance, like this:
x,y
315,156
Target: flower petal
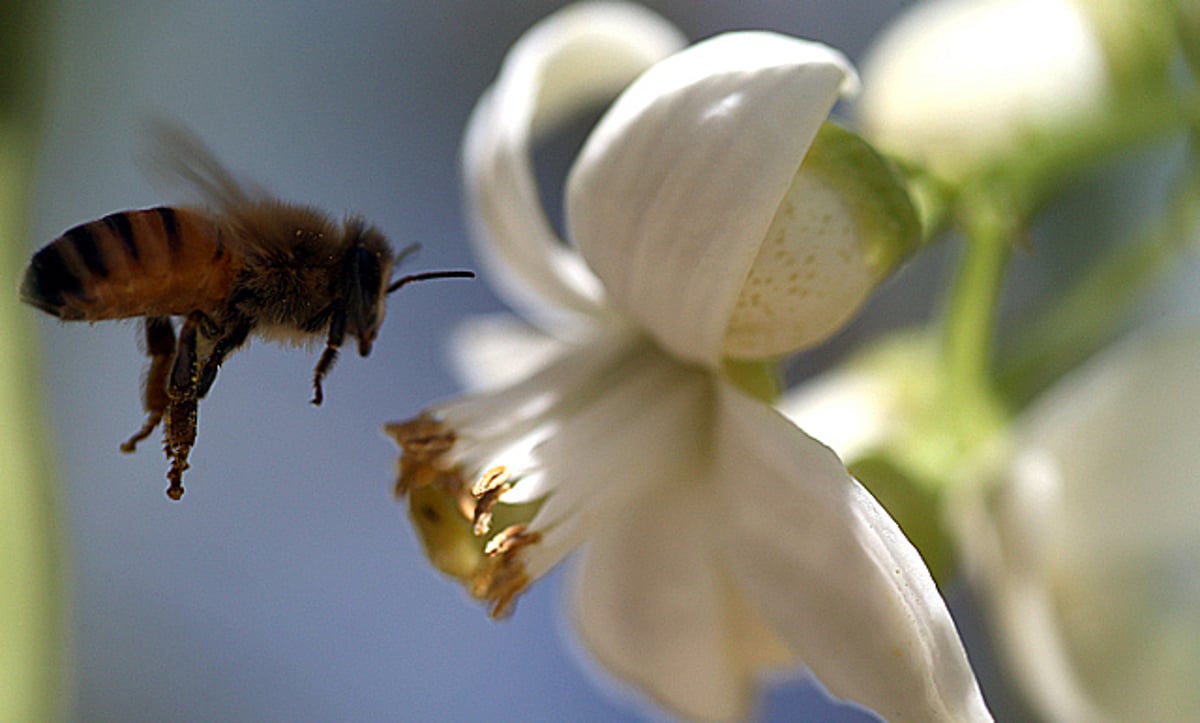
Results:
x,y
638,426
1093,540
652,603
849,410
834,574
491,352
567,61
674,191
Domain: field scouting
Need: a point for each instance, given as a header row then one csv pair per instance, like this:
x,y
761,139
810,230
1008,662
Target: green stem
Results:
x,y
993,210
1087,316
969,330
32,595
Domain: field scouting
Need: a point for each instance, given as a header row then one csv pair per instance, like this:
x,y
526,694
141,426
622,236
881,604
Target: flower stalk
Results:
x,y
969,328
33,604
1085,317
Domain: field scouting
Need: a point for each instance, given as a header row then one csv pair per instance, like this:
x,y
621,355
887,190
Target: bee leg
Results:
x,y
337,334
160,346
179,427
225,344
180,430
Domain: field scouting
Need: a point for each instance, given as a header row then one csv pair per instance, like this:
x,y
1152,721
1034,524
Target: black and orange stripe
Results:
x,y
156,261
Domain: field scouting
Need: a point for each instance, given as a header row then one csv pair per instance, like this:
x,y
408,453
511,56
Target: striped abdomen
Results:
x,y
155,262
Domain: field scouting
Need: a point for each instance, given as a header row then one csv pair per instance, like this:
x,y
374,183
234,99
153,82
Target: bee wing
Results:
x,y
178,157
257,222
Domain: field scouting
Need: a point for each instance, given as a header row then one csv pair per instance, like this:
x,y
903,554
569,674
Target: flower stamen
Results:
x,y
502,576
434,480
487,491
424,441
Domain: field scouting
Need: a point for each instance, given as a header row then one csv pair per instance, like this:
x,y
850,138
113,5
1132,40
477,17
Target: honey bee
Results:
x,y
245,263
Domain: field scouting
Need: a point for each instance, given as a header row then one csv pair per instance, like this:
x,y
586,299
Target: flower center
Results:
x,y
502,485
454,517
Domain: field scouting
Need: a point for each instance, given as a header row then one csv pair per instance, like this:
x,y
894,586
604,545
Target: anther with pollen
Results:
x,y
492,567
423,441
503,576
487,493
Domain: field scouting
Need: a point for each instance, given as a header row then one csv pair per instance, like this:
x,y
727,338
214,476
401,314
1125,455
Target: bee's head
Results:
x,y
368,274
368,271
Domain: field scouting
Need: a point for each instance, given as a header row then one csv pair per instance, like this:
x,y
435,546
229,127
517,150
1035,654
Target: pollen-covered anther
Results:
x,y
423,441
414,473
423,437
502,576
486,492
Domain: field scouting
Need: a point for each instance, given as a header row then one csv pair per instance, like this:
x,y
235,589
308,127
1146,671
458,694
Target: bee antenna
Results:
x,y
405,252
429,275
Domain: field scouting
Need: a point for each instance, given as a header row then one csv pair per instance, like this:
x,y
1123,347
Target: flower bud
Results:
x,y
845,223
960,85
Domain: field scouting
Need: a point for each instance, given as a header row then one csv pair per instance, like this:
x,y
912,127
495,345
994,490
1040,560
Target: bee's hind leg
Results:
x,y
180,431
227,341
179,425
160,346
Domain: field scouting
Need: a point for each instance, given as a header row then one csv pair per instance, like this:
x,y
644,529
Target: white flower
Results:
x,y
954,83
719,541
1089,549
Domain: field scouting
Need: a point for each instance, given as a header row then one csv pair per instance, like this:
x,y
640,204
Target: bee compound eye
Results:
x,y
368,271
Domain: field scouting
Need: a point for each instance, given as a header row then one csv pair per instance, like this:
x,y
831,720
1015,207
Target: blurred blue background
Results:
x,y
287,584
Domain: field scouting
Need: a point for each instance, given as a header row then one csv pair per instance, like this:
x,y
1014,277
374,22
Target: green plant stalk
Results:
x,y
993,211
1087,316
969,329
33,606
